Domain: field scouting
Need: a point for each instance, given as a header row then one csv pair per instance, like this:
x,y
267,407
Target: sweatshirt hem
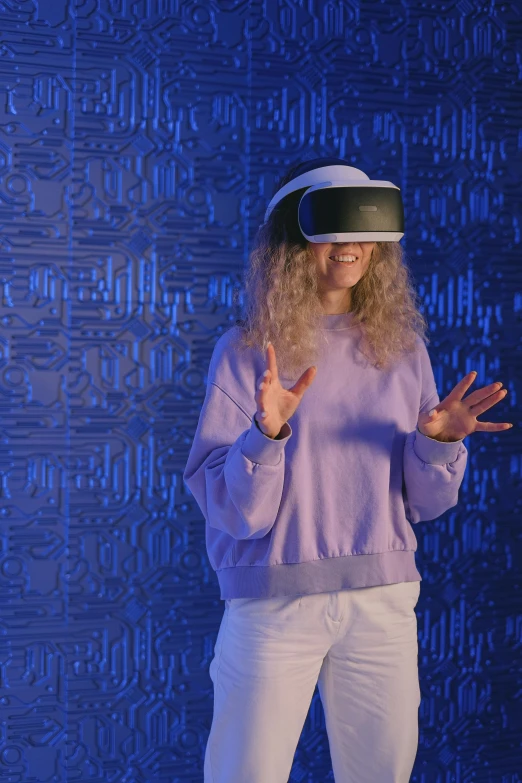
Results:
x,y
318,576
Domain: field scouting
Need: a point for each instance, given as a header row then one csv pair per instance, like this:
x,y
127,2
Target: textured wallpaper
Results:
x,y
140,142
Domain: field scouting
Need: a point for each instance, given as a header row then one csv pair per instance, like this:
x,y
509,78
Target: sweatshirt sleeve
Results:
x,y
433,471
234,471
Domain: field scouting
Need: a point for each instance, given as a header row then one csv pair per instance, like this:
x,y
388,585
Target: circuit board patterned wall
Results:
x,y
140,143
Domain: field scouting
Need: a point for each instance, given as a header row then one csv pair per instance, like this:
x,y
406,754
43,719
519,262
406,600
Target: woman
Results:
x,y
309,524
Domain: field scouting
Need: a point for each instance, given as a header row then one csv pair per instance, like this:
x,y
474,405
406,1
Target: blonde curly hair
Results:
x,y
283,302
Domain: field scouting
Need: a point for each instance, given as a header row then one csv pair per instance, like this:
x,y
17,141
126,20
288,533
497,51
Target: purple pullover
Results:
x,y
331,504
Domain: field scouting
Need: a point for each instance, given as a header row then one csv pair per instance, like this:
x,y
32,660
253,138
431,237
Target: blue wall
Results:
x,y
139,145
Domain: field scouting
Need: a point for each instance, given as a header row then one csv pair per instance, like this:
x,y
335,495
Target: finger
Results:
x,y
491,426
304,381
263,381
487,402
458,392
272,364
486,392
262,384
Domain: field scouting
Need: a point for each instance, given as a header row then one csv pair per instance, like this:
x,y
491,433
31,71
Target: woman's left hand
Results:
x,y
454,418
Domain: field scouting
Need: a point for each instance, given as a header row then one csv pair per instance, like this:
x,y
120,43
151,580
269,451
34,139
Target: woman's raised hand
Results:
x,y
276,403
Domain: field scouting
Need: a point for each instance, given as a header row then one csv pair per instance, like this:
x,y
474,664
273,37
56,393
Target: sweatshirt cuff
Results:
x,y
435,452
257,447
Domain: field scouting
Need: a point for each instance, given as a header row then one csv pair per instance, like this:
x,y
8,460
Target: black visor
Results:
x,y
355,213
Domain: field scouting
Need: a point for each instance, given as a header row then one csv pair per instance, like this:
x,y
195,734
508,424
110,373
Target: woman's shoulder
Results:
x,y
229,347
230,336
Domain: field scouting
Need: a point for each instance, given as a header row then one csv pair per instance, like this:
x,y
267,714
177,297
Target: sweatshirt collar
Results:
x,y
336,321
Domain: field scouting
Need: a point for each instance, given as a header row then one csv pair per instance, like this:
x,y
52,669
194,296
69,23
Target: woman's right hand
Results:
x,y
277,403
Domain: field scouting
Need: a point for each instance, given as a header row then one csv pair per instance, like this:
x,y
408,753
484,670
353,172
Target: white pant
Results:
x,y
358,645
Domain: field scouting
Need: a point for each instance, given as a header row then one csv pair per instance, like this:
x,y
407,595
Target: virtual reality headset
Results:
x,y
342,204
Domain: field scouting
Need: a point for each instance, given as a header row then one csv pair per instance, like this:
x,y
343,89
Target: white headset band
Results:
x,y
342,174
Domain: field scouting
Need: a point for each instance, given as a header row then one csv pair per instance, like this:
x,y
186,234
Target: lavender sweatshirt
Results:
x,y
330,505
